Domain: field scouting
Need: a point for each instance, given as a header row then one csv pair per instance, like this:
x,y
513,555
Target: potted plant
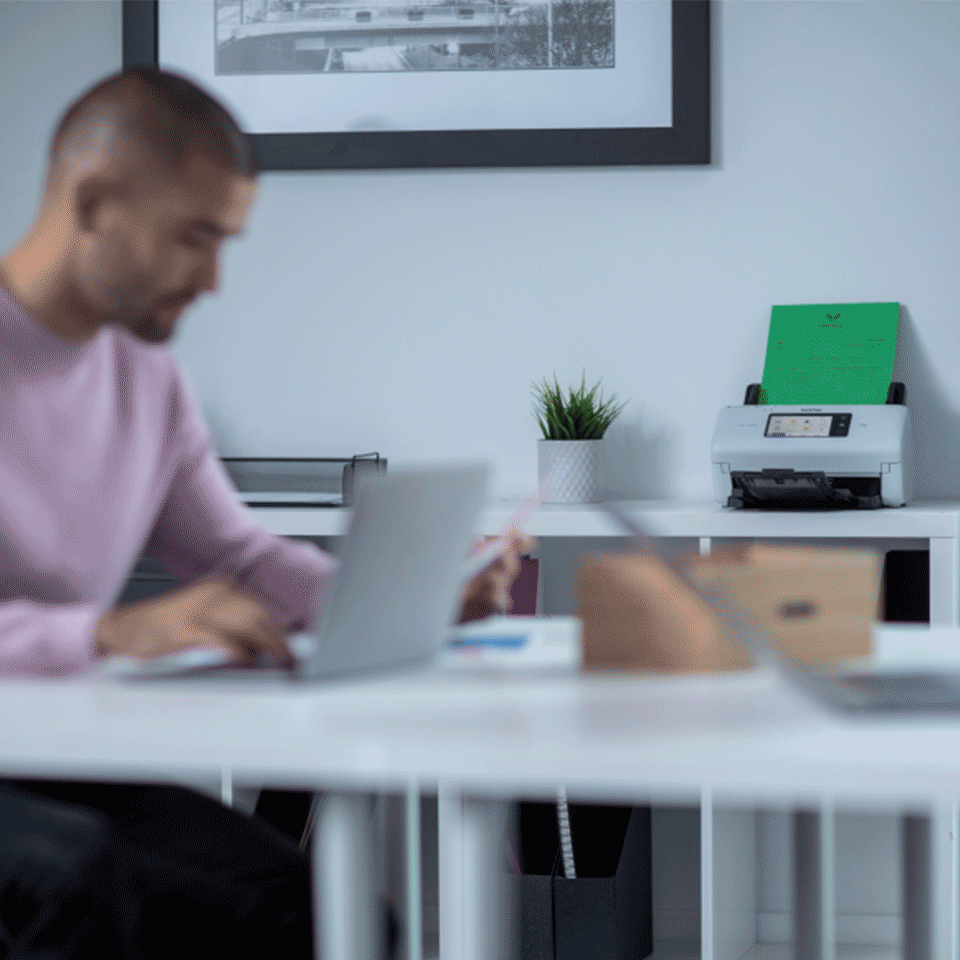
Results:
x,y
573,425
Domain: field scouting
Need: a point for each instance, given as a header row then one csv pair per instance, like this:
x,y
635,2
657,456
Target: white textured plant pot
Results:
x,y
570,470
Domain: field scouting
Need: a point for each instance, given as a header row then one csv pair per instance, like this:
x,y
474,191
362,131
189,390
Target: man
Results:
x,y
105,457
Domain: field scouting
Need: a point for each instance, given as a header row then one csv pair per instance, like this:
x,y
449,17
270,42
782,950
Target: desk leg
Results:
x,y
814,884
728,879
477,902
944,581
413,886
930,884
348,921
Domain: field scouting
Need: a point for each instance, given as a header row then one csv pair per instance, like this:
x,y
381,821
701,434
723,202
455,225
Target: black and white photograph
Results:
x,y
442,65
320,36
394,83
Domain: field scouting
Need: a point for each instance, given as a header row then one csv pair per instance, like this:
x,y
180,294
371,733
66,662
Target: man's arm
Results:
x,y
46,639
204,529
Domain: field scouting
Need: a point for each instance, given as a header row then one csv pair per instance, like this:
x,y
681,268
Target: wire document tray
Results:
x,y
299,481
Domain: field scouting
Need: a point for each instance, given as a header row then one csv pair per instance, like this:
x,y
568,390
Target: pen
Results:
x,y
492,551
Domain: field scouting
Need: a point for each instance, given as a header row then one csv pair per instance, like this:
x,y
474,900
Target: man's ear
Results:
x,y
90,197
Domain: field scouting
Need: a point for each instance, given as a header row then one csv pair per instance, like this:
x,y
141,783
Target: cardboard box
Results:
x,y
817,604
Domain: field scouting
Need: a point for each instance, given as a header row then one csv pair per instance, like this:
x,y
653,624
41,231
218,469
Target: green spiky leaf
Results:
x,y
581,414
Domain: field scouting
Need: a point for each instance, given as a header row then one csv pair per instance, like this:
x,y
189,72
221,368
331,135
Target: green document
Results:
x,y
830,353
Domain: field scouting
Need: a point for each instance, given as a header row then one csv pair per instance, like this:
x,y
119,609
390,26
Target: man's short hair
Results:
x,y
163,113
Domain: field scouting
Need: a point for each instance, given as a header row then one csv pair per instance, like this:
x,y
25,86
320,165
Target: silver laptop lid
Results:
x,y
394,595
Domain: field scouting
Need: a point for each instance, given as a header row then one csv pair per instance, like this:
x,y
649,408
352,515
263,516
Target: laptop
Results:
x,y
864,690
393,598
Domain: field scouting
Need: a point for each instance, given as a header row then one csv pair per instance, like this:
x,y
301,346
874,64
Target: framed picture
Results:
x,y
360,84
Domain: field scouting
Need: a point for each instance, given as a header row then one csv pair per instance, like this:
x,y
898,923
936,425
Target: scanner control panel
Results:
x,y
808,425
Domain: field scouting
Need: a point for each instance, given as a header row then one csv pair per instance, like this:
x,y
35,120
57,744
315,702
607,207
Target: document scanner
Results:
x,y
858,456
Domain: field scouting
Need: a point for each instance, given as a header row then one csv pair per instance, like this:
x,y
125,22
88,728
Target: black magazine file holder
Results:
x,y
606,912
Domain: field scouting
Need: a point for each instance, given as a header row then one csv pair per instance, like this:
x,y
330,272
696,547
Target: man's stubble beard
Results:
x,y
124,299
148,330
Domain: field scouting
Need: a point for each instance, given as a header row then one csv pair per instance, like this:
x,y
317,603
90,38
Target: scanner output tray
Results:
x,y
802,490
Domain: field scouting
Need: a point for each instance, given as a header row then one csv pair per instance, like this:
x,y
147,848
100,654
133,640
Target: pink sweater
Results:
x,y
104,457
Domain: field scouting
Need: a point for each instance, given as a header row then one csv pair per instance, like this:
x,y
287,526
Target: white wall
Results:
x,y
49,52
409,311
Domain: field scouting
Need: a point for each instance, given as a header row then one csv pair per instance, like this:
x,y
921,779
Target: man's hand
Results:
x,y
489,591
210,613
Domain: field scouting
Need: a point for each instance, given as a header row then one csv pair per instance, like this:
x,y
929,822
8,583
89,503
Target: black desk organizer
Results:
x,y
606,912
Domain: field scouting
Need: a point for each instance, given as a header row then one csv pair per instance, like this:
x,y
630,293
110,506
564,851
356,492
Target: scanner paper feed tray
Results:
x,y
803,489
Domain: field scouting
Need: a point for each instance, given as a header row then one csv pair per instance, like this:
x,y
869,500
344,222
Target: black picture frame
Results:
x,y
686,142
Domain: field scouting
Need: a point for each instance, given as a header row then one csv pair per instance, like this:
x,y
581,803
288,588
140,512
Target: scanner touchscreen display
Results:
x,y
804,425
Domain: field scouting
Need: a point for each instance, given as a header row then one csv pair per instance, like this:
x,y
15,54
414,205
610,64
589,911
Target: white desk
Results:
x,y
728,744
928,525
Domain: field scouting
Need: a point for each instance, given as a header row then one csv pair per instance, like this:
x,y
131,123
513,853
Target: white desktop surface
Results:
x,y
677,518
497,730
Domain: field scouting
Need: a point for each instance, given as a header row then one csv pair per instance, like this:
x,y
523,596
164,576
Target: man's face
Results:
x,y
154,254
